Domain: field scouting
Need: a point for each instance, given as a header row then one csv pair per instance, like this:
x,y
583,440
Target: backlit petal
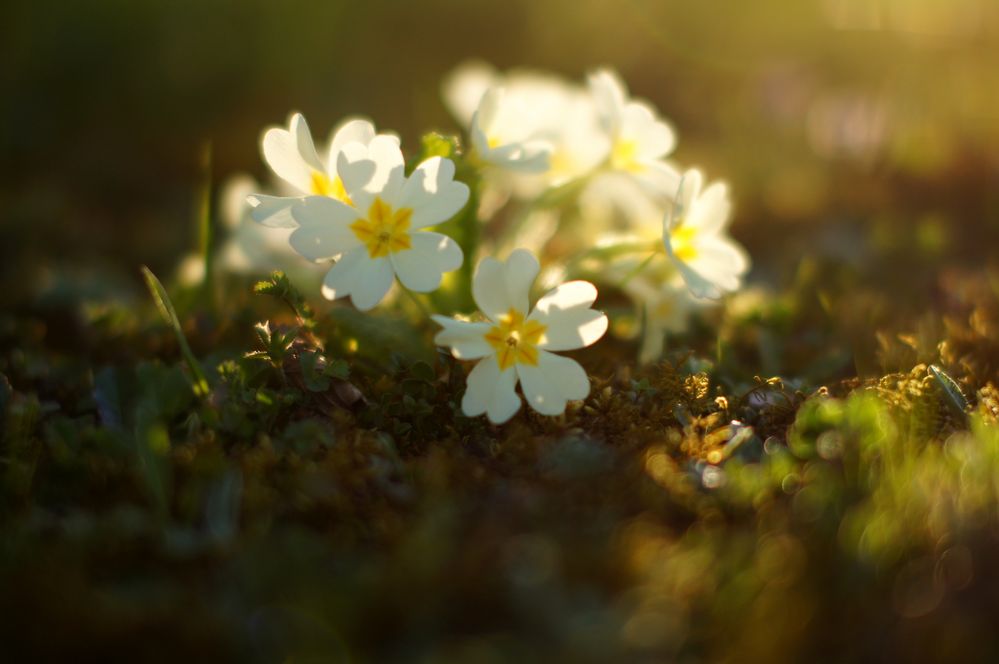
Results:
x,y
432,193
466,339
323,228
491,391
570,321
430,255
500,286
553,382
291,154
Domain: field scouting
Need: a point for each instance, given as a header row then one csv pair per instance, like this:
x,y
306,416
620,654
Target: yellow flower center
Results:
x,y
322,185
682,240
623,156
384,231
516,339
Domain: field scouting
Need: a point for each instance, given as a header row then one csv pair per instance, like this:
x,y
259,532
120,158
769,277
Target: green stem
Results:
x,y
415,299
638,269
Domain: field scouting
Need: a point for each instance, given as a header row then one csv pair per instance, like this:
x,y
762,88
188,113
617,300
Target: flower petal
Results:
x,y
491,391
609,95
690,189
466,339
554,381
497,287
430,255
355,171
272,211
323,228
463,89
432,193
710,212
351,130
570,321
291,154
716,268
653,138
365,279
389,177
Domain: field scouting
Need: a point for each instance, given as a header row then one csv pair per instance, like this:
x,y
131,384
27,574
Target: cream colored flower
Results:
x,y
694,236
516,344
377,236
291,155
640,140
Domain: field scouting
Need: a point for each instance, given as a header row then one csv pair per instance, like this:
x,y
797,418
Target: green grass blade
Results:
x,y
206,230
169,314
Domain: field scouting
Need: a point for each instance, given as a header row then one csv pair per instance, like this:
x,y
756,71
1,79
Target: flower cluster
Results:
x,y
643,224
578,173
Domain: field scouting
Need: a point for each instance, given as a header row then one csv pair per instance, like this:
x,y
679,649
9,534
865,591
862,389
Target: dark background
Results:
x,y
842,125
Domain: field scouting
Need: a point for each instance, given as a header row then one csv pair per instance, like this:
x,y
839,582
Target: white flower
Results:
x,y
639,139
666,308
292,156
503,136
694,236
516,343
377,234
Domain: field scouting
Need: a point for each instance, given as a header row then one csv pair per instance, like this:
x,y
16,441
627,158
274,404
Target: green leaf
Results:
x,y
279,286
338,369
169,314
952,391
312,371
206,231
423,371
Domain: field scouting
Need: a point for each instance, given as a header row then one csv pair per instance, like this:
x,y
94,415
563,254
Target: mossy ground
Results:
x,y
326,499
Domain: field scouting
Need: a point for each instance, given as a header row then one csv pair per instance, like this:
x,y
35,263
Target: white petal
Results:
x,y
291,154
351,130
609,95
466,339
554,381
717,267
463,89
323,228
653,138
432,193
571,322
710,212
365,279
389,175
498,287
659,178
272,211
355,171
491,391
421,267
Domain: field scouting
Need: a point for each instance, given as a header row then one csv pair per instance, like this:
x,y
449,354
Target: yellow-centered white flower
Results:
x,y
694,236
292,156
639,139
377,232
502,138
516,344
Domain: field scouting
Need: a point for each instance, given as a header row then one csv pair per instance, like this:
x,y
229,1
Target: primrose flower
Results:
x,y
501,137
375,232
292,156
666,308
694,236
517,344
640,139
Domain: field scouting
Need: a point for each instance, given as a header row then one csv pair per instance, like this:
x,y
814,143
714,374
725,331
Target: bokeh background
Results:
x,y
844,126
